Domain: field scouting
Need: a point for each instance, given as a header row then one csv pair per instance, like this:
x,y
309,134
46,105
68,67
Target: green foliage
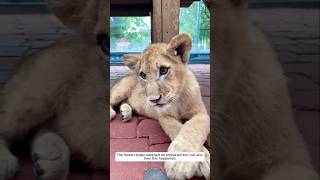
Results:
x,y
200,31
188,19
135,29
138,29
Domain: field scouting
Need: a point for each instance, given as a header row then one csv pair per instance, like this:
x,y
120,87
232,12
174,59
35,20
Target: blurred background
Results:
x,y
292,26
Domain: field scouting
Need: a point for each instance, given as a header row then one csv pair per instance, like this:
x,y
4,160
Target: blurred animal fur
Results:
x,y
255,136
57,98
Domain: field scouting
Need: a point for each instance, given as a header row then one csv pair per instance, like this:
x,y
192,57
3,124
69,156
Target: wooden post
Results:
x,y
165,20
170,19
156,22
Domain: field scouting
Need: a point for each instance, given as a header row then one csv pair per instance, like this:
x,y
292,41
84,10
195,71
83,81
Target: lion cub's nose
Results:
x,y
155,99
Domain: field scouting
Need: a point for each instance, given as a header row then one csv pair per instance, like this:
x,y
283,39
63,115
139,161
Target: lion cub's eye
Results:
x,y
143,75
163,70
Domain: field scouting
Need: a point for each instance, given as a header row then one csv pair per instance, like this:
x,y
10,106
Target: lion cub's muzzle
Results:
x,y
155,99
159,100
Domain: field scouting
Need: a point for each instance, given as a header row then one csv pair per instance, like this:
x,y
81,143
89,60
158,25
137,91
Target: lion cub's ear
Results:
x,y
85,16
180,45
131,60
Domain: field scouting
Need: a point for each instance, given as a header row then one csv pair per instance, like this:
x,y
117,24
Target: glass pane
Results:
x,y
133,34
129,34
195,21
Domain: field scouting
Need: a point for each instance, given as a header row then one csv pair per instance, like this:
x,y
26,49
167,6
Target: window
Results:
x,y
133,34
129,34
195,21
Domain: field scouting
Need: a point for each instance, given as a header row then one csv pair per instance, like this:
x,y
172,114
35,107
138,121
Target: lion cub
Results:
x,y
162,87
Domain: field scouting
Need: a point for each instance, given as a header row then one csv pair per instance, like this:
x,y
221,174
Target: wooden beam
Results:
x,y
170,19
156,21
165,20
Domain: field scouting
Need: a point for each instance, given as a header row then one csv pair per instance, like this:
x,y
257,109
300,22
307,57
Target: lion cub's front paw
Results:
x,y
51,157
112,113
8,164
125,112
204,166
180,170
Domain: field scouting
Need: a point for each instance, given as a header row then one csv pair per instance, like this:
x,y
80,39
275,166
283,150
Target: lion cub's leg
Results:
x,y
182,170
16,118
8,162
119,92
51,157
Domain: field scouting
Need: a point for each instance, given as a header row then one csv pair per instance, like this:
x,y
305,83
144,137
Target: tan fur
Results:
x,y
61,89
179,92
57,97
254,129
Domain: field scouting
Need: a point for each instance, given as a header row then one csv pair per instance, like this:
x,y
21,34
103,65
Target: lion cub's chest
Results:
x,y
138,102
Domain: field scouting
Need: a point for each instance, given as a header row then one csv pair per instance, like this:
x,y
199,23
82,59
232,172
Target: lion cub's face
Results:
x,y
161,68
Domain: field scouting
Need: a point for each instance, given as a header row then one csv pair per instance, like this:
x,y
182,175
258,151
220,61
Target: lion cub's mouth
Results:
x,y
162,104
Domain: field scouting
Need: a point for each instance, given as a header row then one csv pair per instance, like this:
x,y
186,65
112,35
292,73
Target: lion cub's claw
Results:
x,y
187,169
125,112
181,169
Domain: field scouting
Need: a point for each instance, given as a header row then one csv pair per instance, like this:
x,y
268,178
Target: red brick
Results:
x,y
127,170
25,170
119,129
140,118
152,129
